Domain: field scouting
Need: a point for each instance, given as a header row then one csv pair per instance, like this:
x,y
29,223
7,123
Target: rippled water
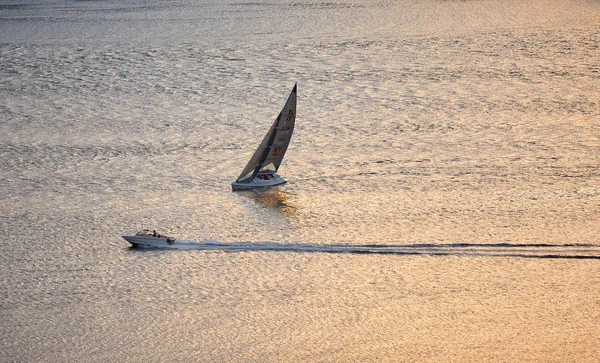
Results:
x,y
443,194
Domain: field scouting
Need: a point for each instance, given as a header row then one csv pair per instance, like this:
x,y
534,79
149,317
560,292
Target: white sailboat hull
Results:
x,y
148,241
274,180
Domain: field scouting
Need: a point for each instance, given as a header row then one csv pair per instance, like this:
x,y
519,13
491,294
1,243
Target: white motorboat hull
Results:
x,y
149,241
259,183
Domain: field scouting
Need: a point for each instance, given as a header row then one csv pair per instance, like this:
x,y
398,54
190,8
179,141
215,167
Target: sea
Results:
x,y
443,194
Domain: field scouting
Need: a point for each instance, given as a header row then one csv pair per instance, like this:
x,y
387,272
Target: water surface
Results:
x,y
443,189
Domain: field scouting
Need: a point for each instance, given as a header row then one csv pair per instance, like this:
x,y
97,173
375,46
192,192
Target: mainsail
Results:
x,y
270,152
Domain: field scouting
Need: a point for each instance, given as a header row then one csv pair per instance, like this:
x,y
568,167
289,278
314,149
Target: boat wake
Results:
x,y
567,251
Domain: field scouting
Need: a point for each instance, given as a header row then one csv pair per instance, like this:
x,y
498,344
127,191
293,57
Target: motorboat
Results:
x,y
147,238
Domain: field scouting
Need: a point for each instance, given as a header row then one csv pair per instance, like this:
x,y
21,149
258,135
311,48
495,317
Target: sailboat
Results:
x,y
262,167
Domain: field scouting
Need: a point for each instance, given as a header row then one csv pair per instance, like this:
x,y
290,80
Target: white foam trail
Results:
x,y
582,251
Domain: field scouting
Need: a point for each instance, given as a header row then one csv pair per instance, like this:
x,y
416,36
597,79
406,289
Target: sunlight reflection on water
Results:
x,y
442,198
